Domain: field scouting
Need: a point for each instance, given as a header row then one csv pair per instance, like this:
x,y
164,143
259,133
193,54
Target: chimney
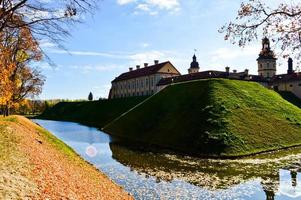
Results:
x,y
156,62
228,69
145,64
234,71
137,66
290,66
131,69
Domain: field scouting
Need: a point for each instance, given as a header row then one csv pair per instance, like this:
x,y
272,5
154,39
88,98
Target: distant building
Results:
x,y
151,79
194,74
194,66
266,60
290,82
141,81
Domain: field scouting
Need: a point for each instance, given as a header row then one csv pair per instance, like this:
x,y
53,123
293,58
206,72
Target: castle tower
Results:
x,y
194,66
290,69
266,60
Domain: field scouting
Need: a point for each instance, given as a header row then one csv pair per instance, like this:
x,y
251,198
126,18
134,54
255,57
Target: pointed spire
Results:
x,y
194,63
194,58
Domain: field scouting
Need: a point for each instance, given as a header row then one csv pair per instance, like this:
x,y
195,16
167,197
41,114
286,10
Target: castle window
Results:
x,y
168,70
299,84
260,65
268,65
291,85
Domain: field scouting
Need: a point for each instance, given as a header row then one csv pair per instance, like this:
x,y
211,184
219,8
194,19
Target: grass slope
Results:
x,y
94,113
290,97
37,165
213,117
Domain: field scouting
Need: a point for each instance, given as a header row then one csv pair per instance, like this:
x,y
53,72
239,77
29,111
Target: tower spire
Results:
x,y
266,60
194,66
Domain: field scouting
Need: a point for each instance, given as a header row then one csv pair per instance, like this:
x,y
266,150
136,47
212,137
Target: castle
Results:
x,y
151,79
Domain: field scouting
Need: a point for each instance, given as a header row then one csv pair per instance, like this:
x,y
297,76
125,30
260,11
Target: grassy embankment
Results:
x,y
94,113
215,117
34,164
290,97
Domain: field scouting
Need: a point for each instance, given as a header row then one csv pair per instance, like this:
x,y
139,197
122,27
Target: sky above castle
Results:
x,y
126,33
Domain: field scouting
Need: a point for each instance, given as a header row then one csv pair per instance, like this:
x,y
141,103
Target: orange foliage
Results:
x,y
17,80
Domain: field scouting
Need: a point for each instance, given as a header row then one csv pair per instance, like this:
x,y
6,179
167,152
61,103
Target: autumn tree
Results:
x,y
22,24
18,49
90,96
257,18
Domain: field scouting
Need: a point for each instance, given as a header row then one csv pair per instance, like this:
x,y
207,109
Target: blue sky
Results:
x,y
124,33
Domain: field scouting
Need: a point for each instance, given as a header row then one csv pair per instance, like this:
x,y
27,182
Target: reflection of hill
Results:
x,y
207,173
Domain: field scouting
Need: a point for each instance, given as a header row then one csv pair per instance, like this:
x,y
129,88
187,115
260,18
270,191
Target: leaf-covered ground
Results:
x,y
36,165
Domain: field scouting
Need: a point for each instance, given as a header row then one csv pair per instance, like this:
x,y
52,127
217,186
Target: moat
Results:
x,y
164,176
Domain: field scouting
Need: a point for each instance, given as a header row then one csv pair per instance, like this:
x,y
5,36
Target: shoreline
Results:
x,y
53,168
154,148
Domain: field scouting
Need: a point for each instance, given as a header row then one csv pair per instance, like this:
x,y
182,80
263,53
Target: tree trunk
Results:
x,y
2,111
6,111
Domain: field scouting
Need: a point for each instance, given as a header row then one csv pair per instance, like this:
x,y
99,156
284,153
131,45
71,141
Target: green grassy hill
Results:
x,y
290,97
94,113
212,117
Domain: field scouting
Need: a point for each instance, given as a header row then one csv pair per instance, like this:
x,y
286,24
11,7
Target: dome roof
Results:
x,y
266,52
194,63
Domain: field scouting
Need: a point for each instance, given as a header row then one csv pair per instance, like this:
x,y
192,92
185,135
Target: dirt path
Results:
x,y
35,165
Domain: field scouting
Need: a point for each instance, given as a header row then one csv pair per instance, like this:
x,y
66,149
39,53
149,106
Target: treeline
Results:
x,y
36,107
31,107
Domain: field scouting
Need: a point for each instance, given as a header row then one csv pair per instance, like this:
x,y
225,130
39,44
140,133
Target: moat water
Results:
x,y
165,176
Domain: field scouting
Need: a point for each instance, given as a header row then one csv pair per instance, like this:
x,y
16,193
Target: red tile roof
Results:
x,y
141,72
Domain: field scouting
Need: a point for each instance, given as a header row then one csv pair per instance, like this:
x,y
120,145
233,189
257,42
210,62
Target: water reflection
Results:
x,y
165,176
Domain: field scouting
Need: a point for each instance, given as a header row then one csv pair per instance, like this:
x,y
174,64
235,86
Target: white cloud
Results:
x,y
153,6
144,45
123,2
87,68
140,57
47,44
143,7
234,53
130,59
89,53
165,4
